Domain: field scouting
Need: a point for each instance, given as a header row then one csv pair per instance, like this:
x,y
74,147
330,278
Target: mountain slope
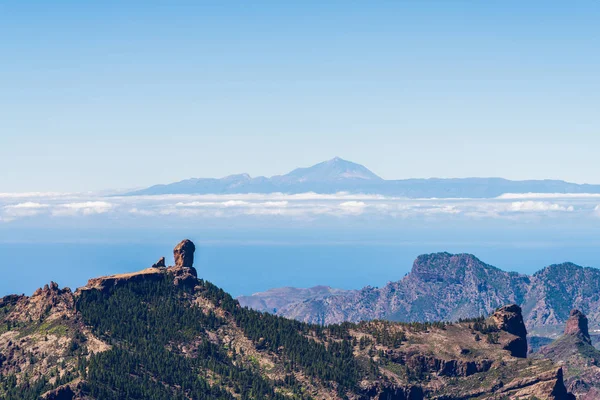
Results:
x,y
557,289
338,175
276,299
162,333
447,287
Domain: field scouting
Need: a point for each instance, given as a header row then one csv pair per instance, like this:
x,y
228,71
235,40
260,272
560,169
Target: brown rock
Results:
x,y
107,282
160,263
577,325
510,319
184,254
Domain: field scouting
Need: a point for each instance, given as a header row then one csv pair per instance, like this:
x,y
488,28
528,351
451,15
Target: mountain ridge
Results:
x,y
162,333
339,175
444,286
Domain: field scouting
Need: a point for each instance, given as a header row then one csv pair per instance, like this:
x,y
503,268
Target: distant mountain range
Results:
x,y
338,175
444,286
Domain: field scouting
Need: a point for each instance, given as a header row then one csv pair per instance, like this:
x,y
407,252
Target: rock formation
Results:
x,y
160,263
183,271
510,319
577,325
184,254
105,283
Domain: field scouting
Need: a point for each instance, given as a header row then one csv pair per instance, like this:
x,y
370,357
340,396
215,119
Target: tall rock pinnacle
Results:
x,y
184,254
577,325
184,263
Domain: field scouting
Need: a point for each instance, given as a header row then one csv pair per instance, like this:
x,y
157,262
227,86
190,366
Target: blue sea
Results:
x,y
245,265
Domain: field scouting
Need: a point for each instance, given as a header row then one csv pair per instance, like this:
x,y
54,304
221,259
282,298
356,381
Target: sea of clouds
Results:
x,y
16,207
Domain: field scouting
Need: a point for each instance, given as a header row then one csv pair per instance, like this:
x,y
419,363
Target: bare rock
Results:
x,y
577,325
510,319
184,254
105,283
160,263
184,271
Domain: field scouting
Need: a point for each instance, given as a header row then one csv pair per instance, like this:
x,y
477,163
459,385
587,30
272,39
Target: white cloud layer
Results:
x,y
304,206
84,208
526,206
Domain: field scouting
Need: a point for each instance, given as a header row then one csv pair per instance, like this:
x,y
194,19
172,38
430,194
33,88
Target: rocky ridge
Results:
x,y
64,345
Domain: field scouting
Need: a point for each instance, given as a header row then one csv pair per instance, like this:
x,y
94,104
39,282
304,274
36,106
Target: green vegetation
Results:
x,y
11,391
143,321
333,362
479,324
148,322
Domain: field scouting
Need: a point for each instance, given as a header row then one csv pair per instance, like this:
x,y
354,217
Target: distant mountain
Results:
x,y
338,175
276,299
444,286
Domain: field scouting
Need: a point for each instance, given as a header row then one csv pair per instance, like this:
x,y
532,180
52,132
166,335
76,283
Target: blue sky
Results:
x,y
126,94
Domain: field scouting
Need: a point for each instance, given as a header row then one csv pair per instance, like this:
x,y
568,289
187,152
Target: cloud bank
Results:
x,y
17,206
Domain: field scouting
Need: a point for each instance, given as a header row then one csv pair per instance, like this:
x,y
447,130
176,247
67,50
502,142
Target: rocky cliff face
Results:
x,y
444,286
185,338
510,319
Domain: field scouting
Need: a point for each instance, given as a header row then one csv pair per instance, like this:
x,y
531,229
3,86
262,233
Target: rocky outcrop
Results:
x,y
183,271
106,283
419,364
11,299
510,319
160,263
184,254
49,300
577,325
549,385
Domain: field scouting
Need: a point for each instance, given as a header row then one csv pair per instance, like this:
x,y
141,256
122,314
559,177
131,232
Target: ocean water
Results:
x,y
245,268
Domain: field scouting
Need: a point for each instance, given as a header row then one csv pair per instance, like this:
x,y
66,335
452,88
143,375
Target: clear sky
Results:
x,y
117,94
